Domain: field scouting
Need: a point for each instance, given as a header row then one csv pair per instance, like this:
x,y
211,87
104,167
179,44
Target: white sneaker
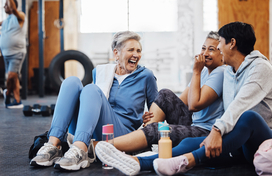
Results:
x,y
109,155
46,156
15,105
91,153
171,166
73,159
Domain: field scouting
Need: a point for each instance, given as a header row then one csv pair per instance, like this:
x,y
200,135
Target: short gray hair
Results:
x,y
121,37
213,35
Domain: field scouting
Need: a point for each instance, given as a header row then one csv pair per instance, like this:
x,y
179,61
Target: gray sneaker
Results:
x,y
73,159
91,152
46,156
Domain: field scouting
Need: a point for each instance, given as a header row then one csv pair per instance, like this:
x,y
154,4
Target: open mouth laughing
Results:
x,y
208,59
130,61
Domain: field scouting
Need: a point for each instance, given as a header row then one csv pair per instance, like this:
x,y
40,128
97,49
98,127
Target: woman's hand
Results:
x,y
213,144
147,117
199,63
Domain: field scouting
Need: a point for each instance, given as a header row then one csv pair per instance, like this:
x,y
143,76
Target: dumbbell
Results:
x,y
38,109
47,111
29,110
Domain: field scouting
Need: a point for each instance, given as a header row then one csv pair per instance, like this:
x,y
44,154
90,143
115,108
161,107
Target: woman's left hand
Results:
x,y
213,144
147,117
199,63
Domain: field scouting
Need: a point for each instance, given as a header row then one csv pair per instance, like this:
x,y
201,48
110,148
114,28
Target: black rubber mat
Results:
x,y
17,133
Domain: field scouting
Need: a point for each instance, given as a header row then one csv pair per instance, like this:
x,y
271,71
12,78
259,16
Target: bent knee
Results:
x,y
91,89
249,118
163,95
12,75
151,127
72,81
250,115
165,92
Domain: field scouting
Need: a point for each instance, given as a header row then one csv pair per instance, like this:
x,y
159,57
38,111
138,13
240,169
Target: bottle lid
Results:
x,y
163,126
107,129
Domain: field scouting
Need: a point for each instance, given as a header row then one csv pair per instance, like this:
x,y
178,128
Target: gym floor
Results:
x,y
17,133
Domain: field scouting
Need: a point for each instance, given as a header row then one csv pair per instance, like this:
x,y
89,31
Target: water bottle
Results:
x,y
107,135
165,143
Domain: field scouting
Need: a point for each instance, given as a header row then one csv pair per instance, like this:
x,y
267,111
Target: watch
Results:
x,y
216,128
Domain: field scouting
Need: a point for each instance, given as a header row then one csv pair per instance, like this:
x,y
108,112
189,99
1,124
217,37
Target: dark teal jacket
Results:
x,y
128,99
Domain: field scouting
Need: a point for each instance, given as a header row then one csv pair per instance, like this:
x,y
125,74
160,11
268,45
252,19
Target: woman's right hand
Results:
x,y
147,117
199,63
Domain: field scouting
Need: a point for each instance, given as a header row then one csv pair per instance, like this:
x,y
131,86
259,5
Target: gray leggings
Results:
x,y
179,118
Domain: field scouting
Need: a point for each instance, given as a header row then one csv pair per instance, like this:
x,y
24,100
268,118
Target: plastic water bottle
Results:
x,y
107,135
165,143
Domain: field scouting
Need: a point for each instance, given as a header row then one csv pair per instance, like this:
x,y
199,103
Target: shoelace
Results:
x,y
72,152
46,148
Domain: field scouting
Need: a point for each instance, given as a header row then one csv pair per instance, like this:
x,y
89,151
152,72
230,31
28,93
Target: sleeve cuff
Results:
x,y
220,126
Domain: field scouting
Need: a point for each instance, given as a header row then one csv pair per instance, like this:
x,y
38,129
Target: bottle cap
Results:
x,y
163,126
107,129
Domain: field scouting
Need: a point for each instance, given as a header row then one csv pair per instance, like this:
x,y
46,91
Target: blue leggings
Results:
x,y
249,132
84,110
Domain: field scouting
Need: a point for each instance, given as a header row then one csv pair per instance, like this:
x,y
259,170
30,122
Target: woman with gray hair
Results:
x,y
190,115
117,96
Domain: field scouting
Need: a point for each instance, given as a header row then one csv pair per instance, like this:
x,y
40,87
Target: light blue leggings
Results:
x,y
84,110
249,132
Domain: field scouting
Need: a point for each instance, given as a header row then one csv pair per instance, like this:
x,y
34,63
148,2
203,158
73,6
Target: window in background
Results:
x,y
2,10
210,15
136,15
153,15
103,16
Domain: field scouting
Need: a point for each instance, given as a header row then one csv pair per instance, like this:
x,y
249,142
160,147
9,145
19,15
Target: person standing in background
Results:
x,y
13,48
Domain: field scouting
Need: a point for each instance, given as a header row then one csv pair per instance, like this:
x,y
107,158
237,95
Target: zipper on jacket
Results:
x,y
235,86
116,93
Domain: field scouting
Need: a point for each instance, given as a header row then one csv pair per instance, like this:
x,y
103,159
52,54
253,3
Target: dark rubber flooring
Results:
x,y
17,133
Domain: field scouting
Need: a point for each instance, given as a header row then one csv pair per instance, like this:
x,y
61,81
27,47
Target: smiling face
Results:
x,y
7,9
225,50
128,56
213,58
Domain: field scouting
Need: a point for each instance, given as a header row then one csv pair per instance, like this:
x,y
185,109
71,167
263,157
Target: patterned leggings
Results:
x,y
179,118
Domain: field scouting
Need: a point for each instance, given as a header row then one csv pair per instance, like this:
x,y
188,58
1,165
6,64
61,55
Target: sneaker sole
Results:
x,y
83,164
47,163
15,106
155,166
109,155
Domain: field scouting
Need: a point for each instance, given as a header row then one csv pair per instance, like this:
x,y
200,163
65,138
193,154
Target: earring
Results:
x,y
230,48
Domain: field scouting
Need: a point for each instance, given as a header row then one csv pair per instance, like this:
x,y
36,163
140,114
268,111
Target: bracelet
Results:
x,y
216,128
